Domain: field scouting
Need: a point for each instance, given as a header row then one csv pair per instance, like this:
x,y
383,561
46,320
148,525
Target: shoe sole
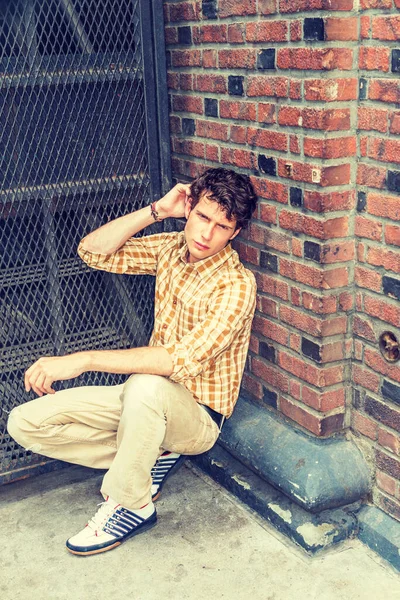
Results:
x,y
145,527
176,466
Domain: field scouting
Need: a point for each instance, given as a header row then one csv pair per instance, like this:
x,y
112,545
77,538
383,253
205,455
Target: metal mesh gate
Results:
x,y
79,145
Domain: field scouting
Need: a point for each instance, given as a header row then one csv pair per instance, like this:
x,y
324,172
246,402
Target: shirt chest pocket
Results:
x,y
189,312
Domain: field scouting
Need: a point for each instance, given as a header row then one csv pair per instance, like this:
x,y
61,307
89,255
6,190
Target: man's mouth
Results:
x,y
200,246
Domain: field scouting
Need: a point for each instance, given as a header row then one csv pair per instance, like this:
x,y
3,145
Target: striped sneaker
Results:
x,y
110,526
166,464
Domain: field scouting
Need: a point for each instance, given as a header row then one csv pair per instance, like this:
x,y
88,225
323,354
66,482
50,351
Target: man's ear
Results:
x,y
235,234
188,206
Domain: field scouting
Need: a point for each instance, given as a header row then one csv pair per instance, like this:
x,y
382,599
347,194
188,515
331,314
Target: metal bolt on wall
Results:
x,y
79,145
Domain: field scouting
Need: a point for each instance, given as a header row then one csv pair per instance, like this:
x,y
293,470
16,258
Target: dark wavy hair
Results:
x,y
233,192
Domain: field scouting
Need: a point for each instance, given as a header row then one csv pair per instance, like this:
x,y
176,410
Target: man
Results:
x,y
182,385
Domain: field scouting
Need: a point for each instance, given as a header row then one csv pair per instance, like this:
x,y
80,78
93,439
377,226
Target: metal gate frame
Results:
x,y
17,463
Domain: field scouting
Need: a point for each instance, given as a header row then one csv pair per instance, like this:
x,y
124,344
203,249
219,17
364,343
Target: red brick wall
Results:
x,y
271,87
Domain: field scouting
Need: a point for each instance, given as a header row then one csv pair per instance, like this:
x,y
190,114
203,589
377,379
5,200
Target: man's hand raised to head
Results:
x,y
174,202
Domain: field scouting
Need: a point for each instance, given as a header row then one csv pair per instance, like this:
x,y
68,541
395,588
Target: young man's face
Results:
x,y
207,230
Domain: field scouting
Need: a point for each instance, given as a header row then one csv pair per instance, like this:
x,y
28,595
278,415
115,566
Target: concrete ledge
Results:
x,y
381,533
313,532
315,474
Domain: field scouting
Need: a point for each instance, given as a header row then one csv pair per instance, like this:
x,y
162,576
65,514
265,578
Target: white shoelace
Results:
x,y
100,518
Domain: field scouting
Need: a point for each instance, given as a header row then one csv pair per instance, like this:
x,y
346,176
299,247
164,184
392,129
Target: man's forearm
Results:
x,y
154,360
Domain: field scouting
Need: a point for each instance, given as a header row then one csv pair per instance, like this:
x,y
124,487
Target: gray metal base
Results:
x,y
381,533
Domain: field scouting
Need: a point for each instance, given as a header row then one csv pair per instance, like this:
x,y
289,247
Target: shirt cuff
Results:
x,y
183,367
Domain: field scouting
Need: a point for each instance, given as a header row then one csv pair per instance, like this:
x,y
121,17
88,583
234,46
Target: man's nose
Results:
x,y
207,232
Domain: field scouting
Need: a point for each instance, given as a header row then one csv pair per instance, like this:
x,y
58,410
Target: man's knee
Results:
x,y
142,389
21,430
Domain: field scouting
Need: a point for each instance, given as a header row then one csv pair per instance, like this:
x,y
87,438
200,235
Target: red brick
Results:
x,y
395,123
243,58
269,307
334,326
268,213
291,6
366,4
323,401
319,304
267,7
183,11
211,129
209,59
372,119
210,83
255,233
386,150
336,175
382,205
186,81
380,257
183,146
238,134
294,144
389,441
335,278
375,360
315,58
366,378
212,152
259,85
272,286
230,109
295,296
277,241
236,33
290,116
386,28
300,320
364,425
295,89
272,190
331,90
330,148
366,278
241,8
297,247
238,158
386,483
373,58
328,120
186,58
267,31
295,31
371,176
387,504
295,342
385,90
358,350
325,202
171,35
271,330
338,252
317,376
392,235
295,389
382,310
270,375
365,26
302,273
363,328
345,29
264,138
212,33
187,104
175,125
266,113
346,301
252,386
368,228
247,253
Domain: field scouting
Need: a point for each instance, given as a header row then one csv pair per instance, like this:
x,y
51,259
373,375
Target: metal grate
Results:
x,y
77,148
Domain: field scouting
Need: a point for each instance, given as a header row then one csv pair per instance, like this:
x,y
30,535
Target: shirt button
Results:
x,y
164,326
174,302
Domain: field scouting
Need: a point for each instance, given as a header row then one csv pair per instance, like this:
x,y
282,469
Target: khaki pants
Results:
x,y
121,428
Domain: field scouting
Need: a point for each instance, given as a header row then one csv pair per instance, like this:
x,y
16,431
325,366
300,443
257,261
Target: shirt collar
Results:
x,y
209,264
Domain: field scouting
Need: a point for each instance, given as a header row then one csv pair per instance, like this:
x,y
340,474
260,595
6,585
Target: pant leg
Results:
x,y
78,425
157,414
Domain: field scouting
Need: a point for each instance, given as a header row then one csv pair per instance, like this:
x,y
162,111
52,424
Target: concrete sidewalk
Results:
x,y
206,546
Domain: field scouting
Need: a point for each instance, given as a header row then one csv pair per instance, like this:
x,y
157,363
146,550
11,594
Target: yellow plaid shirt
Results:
x,y
203,312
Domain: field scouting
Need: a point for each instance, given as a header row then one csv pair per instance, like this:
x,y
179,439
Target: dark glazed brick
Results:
x,y
235,85
270,397
314,29
312,251
357,399
311,349
332,424
267,165
296,196
266,59
211,107
391,391
209,9
269,261
382,413
396,61
391,286
185,35
267,351
393,181
388,464
188,126
362,89
361,201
